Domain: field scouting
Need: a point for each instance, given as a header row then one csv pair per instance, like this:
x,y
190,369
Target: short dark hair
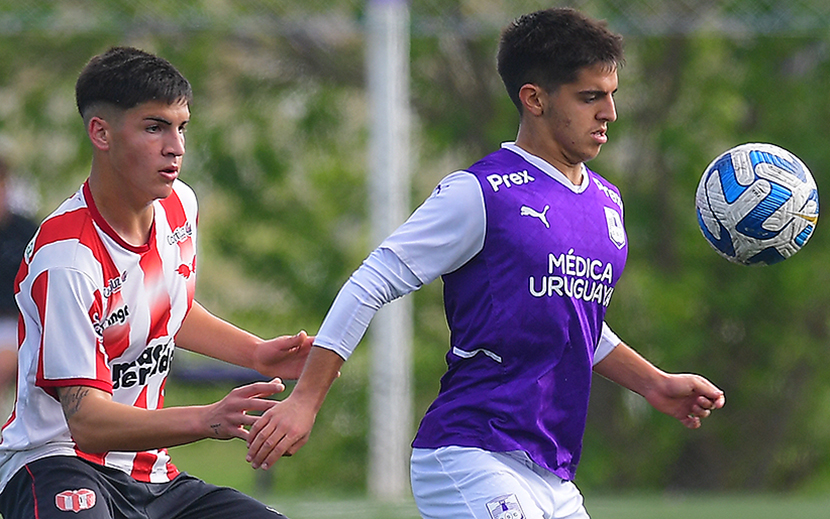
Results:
x,y
125,77
548,48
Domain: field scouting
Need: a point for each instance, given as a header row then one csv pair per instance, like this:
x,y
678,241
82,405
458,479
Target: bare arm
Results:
x,y
202,332
284,428
98,424
689,398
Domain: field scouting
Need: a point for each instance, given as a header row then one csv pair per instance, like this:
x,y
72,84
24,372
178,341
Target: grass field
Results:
x,y
223,463
618,507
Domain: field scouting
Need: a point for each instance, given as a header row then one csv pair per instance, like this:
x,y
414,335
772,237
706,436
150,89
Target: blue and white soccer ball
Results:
x,y
757,204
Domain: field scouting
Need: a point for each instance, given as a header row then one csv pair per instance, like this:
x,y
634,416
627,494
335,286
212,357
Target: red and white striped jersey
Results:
x,y
96,311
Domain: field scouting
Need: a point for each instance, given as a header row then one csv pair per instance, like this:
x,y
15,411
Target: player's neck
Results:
x,y
130,220
552,156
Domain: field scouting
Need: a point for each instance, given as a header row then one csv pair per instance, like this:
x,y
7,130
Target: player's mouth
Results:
x,y
600,136
170,173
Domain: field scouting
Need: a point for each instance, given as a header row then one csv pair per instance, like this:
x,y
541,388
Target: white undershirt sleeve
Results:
x,y
382,278
607,342
445,232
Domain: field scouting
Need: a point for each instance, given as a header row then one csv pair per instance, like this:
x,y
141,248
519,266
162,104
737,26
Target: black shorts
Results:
x,y
50,487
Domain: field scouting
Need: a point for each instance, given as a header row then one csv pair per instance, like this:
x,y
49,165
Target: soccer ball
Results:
x,y
757,204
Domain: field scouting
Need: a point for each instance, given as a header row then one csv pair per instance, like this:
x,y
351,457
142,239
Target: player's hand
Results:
x,y
689,398
280,431
229,417
283,356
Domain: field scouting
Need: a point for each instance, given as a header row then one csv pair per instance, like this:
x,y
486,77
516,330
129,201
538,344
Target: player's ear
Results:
x,y
99,132
532,100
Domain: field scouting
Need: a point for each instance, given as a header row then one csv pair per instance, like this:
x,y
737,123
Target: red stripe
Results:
x,y
39,292
97,458
172,471
78,225
34,493
157,292
141,401
11,418
143,465
21,327
174,209
117,336
176,219
50,385
72,225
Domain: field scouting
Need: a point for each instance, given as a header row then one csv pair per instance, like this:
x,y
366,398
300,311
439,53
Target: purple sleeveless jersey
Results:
x,y
525,316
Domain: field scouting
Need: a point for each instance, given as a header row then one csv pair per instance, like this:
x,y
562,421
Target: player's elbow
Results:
x,y
87,411
86,436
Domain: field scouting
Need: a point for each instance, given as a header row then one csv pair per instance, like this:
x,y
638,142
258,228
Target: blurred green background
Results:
x,y
277,154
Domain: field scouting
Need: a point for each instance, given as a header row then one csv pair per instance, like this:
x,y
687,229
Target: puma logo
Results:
x,y
529,211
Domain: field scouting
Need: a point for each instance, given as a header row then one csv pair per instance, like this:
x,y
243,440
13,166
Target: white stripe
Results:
x,y
470,354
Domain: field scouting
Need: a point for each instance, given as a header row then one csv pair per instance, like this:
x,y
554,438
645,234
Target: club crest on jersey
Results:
x,y
30,248
505,507
616,231
180,234
75,500
114,285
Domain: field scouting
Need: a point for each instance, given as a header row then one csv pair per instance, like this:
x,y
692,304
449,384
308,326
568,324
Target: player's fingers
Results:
x,y
709,403
267,447
261,438
259,430
291,448
701,412
706,388
248,421
259,404
292,342
691,421
260,389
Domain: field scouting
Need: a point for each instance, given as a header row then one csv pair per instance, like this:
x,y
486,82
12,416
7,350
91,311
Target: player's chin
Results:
x,y
164,191
591,152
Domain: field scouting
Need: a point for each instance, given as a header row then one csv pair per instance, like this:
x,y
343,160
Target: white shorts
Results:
x,y
469,483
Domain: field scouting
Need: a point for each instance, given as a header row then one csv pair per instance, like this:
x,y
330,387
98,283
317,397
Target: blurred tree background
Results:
x,y
277,154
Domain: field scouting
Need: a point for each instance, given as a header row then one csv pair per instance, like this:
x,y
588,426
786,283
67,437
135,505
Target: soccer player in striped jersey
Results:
x,y
106,294
530,244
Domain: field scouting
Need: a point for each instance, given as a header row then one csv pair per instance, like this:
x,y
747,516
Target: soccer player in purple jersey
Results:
x,y
529,243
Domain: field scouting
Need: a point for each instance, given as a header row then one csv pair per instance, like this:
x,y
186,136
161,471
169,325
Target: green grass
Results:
x,y
708,506
318,497
312,508
702,506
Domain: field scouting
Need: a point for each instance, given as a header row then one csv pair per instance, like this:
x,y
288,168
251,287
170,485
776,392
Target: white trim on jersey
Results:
x,y
443,234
